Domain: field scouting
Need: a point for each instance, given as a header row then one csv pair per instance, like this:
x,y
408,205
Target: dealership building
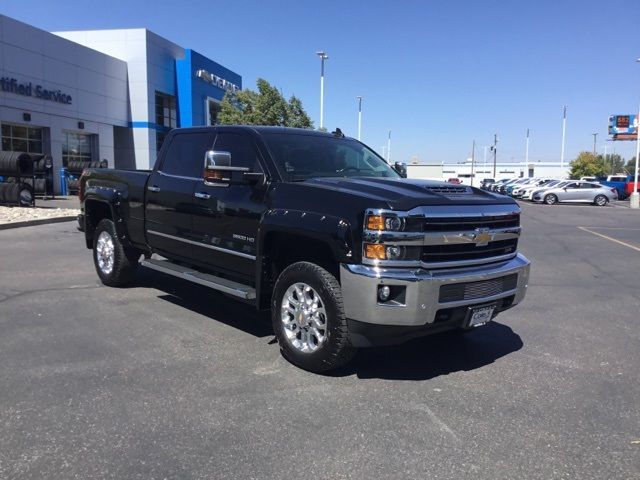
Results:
x,y
101,95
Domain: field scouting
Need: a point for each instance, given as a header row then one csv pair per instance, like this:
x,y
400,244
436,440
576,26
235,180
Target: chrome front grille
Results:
x,y
452,236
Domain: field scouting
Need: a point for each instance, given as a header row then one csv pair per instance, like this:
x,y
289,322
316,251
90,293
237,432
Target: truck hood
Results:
x,y
405,194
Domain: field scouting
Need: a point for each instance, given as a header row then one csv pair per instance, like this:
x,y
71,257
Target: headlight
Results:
x,y
384,222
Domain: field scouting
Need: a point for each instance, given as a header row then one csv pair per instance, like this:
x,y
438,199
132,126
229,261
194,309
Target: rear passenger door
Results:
x,y
169,197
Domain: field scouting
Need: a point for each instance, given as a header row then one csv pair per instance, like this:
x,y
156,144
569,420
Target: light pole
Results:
x,y
634,201
595,135
564,129
494,149
473,160
359,117
605,157
323,56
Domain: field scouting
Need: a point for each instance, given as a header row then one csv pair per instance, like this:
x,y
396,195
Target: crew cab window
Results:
x,y
185,155
242,149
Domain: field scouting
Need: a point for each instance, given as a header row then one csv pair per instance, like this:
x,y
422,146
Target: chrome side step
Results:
x,y
221,284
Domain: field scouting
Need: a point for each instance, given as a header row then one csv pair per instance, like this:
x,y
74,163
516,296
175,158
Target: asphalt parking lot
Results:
x,y
169,380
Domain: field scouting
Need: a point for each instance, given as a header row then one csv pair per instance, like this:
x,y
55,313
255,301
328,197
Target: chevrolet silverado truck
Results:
x,y
316,227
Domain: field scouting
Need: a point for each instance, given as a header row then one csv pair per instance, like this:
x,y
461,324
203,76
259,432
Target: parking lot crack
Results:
x,y
6,297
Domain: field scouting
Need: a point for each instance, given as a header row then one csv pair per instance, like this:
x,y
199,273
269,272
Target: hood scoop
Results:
x,y
448,189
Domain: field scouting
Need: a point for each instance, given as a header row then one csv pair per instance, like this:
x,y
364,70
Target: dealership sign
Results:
x,y
623,127
217,81
28,90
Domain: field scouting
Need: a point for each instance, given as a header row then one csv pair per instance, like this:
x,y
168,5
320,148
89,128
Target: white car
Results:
x,y
528,192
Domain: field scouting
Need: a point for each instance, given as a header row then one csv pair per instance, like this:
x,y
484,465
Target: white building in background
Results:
x,y
462,171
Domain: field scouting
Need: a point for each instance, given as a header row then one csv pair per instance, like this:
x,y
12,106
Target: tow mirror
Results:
x,y
218,170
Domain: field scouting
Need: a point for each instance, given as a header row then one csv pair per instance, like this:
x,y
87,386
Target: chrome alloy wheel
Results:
x,y
105,253
304,318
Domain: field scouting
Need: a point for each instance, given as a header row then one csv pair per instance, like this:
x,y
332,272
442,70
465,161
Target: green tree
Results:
x,y
297,117
588,165
267,106
614,163
630,168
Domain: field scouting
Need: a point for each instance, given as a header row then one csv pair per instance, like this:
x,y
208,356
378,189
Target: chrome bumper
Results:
x,y
360,285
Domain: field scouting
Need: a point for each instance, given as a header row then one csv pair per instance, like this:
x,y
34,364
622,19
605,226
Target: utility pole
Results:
x,y
389,147
359,117
605,157
564,129
494,149
473,159
595,135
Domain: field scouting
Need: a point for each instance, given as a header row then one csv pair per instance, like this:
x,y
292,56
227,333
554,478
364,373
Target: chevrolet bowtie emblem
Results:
x,y
482,237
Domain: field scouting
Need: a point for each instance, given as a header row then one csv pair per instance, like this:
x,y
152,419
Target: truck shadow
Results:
x,y
420,359
441,354
208,303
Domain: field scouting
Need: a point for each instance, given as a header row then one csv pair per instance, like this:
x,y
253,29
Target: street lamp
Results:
x,y
634,201
595,135
359,117
323,56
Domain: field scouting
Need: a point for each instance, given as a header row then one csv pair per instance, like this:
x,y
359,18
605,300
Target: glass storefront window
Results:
x,y
21,138
166,114
76,146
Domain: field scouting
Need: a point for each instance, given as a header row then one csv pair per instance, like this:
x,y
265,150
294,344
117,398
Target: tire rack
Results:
x,y
18,174
46,174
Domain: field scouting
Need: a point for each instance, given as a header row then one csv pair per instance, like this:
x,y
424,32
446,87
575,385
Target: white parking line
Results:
x,y
612,239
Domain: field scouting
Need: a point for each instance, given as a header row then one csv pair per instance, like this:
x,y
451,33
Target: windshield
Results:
x,y
300,157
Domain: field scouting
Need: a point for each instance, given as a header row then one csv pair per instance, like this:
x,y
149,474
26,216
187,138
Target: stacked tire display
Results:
x,y
17,166
75,169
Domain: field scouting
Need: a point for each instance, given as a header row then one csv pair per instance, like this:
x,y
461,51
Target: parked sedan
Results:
x,y
527,193
577,192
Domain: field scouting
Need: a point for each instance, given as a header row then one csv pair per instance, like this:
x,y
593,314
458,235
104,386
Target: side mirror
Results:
x,y
400,168
218,170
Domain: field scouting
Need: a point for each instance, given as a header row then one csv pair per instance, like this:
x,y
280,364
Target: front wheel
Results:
x,y
601,200
309,320
550,199
114,262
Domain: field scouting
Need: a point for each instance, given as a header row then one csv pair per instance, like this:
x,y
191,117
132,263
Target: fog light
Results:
x,y
384,293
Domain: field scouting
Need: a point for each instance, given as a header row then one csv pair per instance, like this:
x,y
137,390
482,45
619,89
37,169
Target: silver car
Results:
x,y
576,192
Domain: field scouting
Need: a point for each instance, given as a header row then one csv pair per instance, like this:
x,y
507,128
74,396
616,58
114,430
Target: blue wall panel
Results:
x,y
192,91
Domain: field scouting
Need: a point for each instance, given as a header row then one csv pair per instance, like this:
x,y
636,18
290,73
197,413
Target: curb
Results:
x,y
33,223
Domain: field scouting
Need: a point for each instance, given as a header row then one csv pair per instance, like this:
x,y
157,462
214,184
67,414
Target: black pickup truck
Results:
x,y
316,227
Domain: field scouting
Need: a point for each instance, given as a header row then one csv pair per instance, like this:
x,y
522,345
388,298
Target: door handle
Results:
x,y
204,196
153,188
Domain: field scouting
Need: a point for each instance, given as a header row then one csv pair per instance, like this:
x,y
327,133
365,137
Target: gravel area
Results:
x,y
23,214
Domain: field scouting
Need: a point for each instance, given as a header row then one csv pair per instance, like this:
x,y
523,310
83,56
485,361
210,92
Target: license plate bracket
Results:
x,y
478,316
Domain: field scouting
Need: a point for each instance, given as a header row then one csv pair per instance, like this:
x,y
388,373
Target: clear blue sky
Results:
x,y
437,73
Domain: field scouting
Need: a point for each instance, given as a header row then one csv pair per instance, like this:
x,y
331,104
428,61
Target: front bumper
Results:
x,y
421,302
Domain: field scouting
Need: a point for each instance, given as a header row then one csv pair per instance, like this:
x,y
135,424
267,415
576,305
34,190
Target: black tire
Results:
x,y
550,199
600,200
336,350
124,262
25,195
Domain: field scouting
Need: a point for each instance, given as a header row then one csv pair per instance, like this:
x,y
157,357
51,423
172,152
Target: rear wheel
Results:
x,y
309,320
550,199
114,262
601,200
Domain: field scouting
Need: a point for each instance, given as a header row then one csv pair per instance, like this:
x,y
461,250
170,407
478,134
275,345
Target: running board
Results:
x,y
221,284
